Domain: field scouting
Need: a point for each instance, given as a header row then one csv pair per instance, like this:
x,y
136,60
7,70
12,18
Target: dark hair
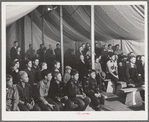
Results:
x,y
8,77
41,45
55,62
30,45
57,44
110,54
42,64
55,74
27,61
130,57
74,72
45,72
35,58
117,45
109,45
90,71
15,42
12,63
138,56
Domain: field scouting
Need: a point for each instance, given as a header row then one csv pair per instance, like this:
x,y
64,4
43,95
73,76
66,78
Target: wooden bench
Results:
x,y
133,97
110,87
120,85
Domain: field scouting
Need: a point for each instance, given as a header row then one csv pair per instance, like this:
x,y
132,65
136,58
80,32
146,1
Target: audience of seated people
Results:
x,y
38,88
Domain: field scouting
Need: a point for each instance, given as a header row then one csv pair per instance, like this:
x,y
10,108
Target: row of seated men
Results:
x,y
52,93
35,75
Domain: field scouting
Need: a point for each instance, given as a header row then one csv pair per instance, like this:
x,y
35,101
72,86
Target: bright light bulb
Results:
x,y
49,9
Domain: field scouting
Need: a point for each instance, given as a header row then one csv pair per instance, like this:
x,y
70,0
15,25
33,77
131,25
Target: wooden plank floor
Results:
x,y
115,103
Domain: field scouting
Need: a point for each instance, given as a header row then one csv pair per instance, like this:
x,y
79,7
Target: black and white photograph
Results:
x,y
74,60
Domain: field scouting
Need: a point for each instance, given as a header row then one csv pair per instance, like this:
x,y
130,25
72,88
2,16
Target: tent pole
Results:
x,y
62,43
121,45
92,37
31,28
43,25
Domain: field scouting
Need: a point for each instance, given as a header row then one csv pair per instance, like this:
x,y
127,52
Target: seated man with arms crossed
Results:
x,y
92,90
75,92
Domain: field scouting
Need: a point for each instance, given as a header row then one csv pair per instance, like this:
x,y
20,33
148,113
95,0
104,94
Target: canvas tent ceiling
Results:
x,y
112,22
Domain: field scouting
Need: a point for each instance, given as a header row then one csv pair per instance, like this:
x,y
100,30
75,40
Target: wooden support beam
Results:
x,y
92,37
62,43
32,28
121,45
43,25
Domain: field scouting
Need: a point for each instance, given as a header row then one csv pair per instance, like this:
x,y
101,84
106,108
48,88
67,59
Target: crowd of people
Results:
x,y
38,85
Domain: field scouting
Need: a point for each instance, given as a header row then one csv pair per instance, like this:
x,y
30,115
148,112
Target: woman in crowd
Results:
x,y
112,70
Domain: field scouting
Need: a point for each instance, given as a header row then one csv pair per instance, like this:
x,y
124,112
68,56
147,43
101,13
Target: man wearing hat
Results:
x,y
66,76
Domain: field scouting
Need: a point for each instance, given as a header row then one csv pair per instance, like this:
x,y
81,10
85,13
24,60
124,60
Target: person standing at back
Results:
x,y
58,52
13,51
30,53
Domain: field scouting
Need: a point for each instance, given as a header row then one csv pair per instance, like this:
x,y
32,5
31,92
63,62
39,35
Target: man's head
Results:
x,y
132,59
36,61
56,64
23,77
87,45
41,46
43,66
15,43
47,75
18,48
29,63
81,57
83,46
50,46
80,48
74,74
110,46
68,69
97,59
9,80
91,73
57,76
57,45
14,65
30,46
105,46
143,58
117,46
111,56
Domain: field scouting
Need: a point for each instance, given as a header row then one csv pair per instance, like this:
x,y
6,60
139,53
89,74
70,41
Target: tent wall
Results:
x,y
133,46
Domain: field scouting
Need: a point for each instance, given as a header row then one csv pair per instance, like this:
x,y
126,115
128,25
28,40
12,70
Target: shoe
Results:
x,y
74,106
98,108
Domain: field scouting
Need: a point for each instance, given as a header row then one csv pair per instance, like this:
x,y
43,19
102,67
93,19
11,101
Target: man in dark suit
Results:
x,y
13,50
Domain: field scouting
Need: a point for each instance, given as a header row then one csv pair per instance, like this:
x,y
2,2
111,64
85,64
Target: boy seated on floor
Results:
x,y
92,90
75,92
46,103
26,101
12,96
56,92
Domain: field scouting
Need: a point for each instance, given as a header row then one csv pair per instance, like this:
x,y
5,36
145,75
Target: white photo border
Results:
x,y
85,115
